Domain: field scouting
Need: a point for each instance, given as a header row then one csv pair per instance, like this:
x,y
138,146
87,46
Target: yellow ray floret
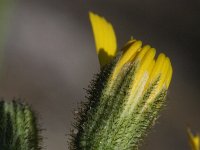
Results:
x,y
128,55
105,39
143,52
157,68
163,74
194,141
149,70
162,70
147,58
169,76
130,51
146,61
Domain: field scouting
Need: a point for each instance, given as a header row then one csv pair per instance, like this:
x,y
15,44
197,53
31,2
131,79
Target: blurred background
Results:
x,y
48,56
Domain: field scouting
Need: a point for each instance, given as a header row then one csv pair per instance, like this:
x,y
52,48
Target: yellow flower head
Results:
x,y
127,95
149,68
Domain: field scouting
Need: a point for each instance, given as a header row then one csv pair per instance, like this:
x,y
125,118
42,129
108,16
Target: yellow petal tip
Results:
x,y
194,140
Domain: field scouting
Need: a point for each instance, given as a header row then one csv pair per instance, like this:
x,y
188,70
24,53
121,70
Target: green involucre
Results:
x,y
101,121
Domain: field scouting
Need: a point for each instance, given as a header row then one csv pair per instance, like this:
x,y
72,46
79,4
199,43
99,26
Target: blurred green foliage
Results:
x,y
18,127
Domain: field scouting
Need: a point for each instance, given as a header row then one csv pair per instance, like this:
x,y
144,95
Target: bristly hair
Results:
x,y
100,122
19,129
87,109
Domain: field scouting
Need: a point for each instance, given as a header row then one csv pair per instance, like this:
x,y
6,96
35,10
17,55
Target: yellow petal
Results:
x,y
155,73
141,76
127,55
143,52
105,39
169,77
157,68
146,63
163,74
151,66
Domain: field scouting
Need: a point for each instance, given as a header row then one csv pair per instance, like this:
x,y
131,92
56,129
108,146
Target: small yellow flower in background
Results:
x,y
194,140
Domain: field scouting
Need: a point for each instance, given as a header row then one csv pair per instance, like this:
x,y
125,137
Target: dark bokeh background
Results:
x,y
50,57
